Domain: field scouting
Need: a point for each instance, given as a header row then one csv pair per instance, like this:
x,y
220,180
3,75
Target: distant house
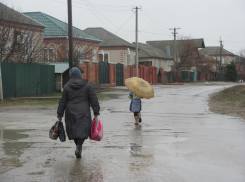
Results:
x,y
85,46
185,49
215,52
20,37
154,57
206,67
113,49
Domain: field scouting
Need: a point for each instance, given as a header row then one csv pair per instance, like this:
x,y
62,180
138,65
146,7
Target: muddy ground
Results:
x,y
180,139
230,107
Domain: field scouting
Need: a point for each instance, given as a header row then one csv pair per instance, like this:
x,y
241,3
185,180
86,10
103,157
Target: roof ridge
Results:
x,y
115,36
146,51
92,35
47,16
33,20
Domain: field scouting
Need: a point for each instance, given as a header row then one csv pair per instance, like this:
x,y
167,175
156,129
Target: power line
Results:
x,y
155,17
101,9
106,18
97,4
125,23
155,33
147,16
150,23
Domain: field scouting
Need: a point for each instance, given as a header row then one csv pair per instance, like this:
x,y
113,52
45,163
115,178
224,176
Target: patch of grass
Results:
x,y
35,100
230,101
236,93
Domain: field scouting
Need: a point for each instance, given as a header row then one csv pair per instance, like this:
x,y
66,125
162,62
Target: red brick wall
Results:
x,y
112,74
61,49
84,67
147,73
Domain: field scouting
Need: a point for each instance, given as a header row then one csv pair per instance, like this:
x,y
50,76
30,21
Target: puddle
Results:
x,y
12,149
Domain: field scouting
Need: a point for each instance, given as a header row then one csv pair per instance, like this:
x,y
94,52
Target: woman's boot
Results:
x,y
136,120
78,151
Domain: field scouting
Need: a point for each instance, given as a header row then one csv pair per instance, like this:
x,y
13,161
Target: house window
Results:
x,y
94,55
23,43
106,57
100,57
48,54
27,45
80,54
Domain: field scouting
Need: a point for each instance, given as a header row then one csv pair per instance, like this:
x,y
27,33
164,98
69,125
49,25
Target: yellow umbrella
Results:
x,y
140,87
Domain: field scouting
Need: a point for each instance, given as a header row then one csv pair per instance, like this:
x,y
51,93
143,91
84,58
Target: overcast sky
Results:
x,y
207,19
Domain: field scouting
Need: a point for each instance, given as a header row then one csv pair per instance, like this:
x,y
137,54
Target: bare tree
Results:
x,y
56,50
241,64
20,41
186,55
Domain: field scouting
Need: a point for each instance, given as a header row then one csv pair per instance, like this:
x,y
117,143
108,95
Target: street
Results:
x,y
179,139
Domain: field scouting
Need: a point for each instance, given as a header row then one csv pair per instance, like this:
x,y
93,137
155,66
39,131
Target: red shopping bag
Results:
x,y
96,129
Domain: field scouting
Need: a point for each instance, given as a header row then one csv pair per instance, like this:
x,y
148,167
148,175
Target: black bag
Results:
x,y
62,134
54,131
57,130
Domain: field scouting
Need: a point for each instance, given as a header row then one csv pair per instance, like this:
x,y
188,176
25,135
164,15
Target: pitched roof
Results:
x,y
59,67
10,14
148,51
109,39
215,50
162,44
205,57
55,27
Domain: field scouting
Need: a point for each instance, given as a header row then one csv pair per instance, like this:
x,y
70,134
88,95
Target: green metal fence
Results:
x,y
103,69
119,74
20,79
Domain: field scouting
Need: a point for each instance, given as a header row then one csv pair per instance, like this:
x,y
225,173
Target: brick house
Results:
x,y
85,46
205,66
113,49
149,55
20,37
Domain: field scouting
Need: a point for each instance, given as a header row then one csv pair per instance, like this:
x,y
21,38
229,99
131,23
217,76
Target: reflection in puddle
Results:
x,y
78,170
141,157
11,148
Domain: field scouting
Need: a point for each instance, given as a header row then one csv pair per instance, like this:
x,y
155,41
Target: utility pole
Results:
x,y
70,38
221,47
175,59
136,39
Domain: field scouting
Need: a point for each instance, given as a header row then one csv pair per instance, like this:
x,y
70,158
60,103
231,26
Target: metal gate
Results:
x,y
103,69
119,74
20,79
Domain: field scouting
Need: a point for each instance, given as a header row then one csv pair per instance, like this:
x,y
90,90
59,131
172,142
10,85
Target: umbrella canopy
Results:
x,y
140,87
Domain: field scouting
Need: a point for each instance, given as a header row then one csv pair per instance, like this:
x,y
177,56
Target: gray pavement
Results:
x,y
178,140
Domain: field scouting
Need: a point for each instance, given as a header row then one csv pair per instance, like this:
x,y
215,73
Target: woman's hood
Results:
x,y
76,83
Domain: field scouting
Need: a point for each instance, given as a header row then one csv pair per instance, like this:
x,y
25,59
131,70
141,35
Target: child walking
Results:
x,y
135,107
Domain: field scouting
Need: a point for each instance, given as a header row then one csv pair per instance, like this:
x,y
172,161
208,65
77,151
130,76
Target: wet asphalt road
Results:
x,y
178,140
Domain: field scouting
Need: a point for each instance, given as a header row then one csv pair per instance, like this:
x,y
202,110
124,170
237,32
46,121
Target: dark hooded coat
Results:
x,y
78,95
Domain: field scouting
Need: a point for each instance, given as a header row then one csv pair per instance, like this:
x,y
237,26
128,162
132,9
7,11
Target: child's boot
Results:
x,y
140,120
136,120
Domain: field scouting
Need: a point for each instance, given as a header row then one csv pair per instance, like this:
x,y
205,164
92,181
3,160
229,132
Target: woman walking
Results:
x,y
78,95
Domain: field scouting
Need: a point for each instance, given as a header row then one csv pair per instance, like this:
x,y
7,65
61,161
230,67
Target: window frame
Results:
x,y
48,56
